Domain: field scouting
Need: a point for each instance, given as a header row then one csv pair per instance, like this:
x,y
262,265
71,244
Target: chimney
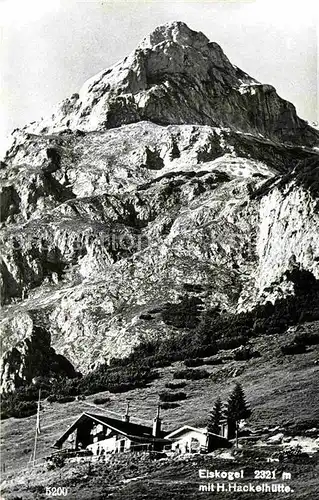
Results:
x,y
126,417
157,423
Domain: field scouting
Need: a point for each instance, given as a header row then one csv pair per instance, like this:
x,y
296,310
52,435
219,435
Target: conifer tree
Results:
x,y
214,422
237,409
215,417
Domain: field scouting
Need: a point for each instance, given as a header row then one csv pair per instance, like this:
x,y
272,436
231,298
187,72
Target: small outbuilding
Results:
x,y
188,439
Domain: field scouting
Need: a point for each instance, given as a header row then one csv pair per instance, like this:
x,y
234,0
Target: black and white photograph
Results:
x,y
159,228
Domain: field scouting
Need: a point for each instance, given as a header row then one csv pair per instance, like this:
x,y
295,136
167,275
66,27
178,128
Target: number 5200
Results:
x,y
52,491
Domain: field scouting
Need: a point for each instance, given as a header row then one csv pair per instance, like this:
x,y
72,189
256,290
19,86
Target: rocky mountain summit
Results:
x,y
177,76
172,174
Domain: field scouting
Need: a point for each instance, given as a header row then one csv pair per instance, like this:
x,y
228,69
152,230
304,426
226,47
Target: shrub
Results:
x,y
293,349
159,361
101,401
213,361
184,314
146,317
245,354
65,399
18,409
232,342
303,427
307,338
175,385
206,350
29,393
167,405
194,362
118,388
52,398
117,378
191,374
172,396
307,175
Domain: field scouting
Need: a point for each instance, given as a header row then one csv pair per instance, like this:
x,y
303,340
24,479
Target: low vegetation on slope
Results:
x,y
215,330
21,403
304,172
204,335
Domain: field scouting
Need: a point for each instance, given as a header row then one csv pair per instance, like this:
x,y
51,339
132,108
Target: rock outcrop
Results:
x,y
31,358
160,179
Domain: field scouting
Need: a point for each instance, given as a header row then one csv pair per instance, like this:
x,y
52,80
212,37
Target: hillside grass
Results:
x,y
281,390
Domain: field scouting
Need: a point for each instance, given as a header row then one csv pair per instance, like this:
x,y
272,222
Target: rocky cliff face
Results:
x,y
31,358
143,189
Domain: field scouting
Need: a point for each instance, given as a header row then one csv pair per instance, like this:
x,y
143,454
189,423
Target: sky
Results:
x,y
49,48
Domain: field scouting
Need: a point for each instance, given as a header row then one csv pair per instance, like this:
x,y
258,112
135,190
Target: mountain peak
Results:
x,y
175,31
177,76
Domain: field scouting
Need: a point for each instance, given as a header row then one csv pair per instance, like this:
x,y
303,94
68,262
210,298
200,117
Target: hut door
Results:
x,y
195,445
